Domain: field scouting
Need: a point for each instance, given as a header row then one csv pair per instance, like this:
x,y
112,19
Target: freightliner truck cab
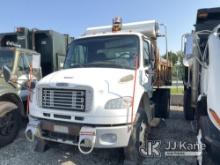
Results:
x,y
108,94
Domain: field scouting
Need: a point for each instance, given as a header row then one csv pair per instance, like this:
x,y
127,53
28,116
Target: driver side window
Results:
x,y
23,65
146,53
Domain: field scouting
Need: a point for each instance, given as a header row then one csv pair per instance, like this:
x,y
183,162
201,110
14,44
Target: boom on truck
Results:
x,y
19,50
201,82
112,89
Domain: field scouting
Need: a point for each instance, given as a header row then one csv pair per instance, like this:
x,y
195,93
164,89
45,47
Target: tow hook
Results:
x,y
30,133
87,138
32,130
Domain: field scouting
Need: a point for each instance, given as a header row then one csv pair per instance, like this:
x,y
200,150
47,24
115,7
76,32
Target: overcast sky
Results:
x,y
74,16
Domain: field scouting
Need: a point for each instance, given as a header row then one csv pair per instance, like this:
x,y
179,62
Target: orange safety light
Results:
x,y
203,15
20,29
116,24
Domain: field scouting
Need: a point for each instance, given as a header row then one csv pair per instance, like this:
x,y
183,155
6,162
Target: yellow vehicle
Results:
x,y
15,67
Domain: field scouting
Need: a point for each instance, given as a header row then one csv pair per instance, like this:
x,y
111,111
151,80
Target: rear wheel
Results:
x,y
162,99
9,127
138,139
188,110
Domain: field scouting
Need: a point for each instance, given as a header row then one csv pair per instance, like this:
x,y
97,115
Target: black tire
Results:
x,y
201,110
9,130
166,103
188,110
138,139
162,99
205,159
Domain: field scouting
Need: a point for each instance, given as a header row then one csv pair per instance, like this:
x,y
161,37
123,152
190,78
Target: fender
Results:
x,y
6,107
14,99
145,105
202,105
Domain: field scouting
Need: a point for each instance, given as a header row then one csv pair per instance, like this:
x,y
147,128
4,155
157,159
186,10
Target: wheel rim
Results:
x,y
142,134
7,124
200,151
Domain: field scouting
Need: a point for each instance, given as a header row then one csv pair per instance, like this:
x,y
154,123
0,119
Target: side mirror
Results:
x,y
6,73
187,49
36,61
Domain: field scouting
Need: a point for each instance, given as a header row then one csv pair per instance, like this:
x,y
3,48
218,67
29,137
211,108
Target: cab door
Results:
x,y
148,65
23,76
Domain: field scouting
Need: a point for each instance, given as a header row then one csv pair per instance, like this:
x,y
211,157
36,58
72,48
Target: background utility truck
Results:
x,y
109,93
202,90
45,50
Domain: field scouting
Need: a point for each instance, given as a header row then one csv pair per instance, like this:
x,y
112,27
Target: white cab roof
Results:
x,y
149,28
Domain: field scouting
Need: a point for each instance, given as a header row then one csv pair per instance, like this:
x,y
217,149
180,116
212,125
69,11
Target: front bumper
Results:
x,y
114,136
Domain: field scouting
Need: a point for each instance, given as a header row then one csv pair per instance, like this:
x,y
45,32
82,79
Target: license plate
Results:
x,y
61,129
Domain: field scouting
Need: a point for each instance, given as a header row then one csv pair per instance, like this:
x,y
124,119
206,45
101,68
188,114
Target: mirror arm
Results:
x,y
23,85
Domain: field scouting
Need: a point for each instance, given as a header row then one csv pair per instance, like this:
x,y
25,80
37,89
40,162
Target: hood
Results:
x,y
113,80
6,88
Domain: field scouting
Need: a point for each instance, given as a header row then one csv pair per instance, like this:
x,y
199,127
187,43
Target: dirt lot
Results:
x,y
174,129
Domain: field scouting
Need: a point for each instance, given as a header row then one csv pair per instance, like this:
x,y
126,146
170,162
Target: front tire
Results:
x,y
137,139
162,99
203,158
9,127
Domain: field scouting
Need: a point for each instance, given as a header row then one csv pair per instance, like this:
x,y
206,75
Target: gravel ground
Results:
x,y
174,129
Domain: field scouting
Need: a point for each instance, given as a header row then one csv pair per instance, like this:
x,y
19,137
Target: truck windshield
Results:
x,y
107,52
6,58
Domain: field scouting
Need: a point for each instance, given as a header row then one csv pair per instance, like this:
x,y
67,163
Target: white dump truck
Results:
x,y
113,87
202,91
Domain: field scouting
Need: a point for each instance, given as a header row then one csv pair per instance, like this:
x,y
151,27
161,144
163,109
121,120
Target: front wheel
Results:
x,y
202,158
9,127
138,138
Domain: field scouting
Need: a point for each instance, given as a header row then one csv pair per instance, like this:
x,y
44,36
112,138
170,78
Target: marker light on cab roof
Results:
x,y
116,24
203,15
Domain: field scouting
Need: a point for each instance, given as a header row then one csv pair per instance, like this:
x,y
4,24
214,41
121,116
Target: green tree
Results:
x,y
172,57
176,60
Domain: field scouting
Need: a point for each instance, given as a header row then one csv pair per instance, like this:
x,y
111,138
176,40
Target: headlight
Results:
x,y
120,103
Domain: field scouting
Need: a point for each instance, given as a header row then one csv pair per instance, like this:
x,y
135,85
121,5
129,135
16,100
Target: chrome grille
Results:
x,y
64,99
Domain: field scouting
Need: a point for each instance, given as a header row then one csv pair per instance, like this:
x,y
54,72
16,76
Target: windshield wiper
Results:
x,y
103,64
98,64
